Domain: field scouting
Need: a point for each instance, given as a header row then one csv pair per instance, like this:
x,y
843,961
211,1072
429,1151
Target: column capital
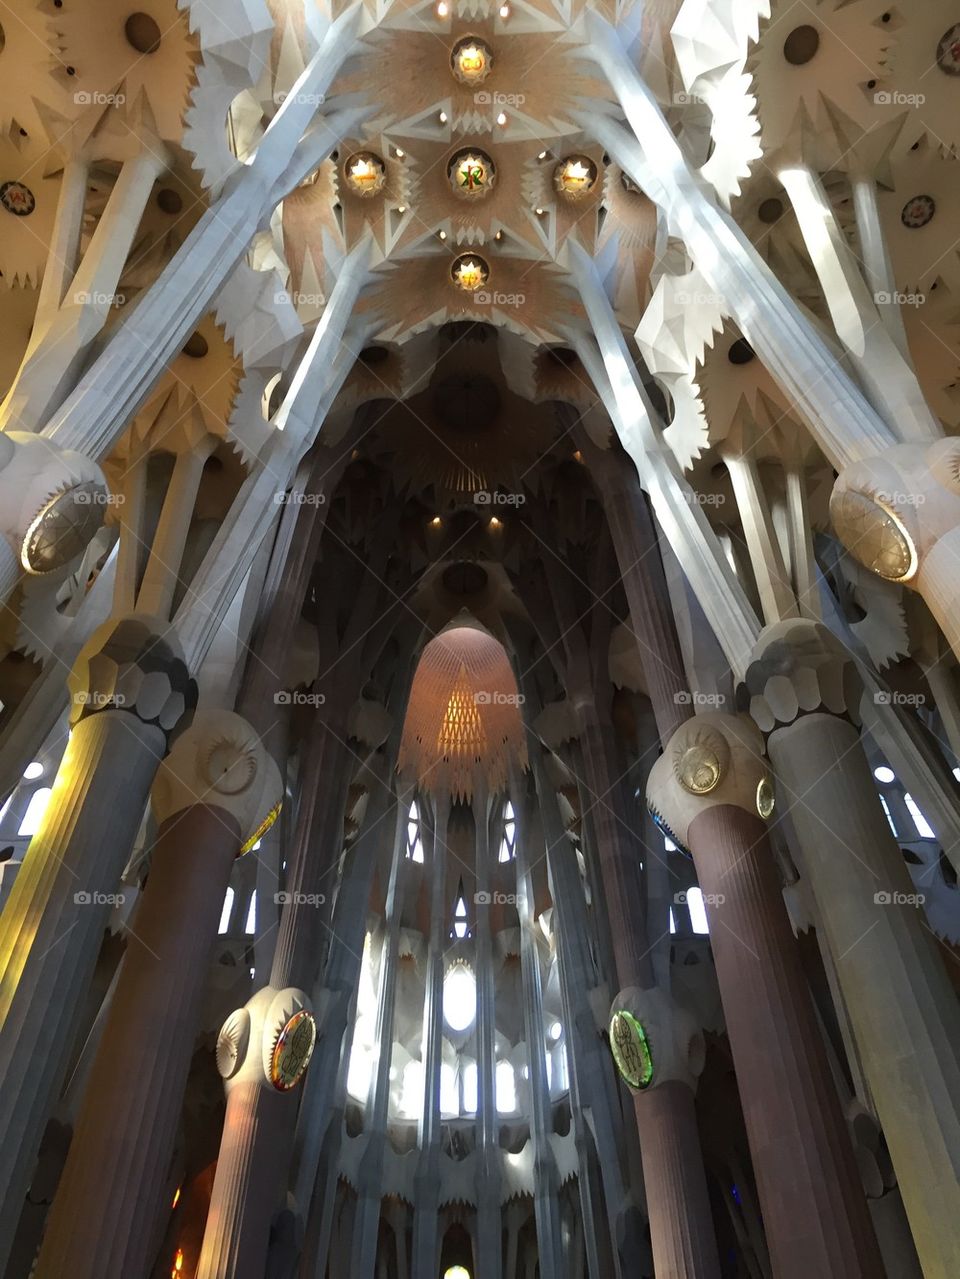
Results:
x,y
133,664
268,1042
220,761
799,667
653,1038
711,761
891,510
52,501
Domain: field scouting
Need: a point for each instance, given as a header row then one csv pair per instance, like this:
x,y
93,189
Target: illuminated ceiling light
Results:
x,y
542,155
502,118
443,235
556,1030
539,212
365,174
498,236
176,1197
436,522
442,9
471,174
401,208
494,522
575,176
471,60
398,153
443,117
504,11
469,272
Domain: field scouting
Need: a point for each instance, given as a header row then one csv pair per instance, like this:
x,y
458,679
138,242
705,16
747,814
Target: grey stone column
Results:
x,y
426,1243
804,692
130,690
367,1217
546,1185
489,1251
214,789
712,789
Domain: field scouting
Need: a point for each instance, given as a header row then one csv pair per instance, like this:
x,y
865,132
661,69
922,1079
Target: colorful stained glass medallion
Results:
x,y
918,211
293,1050
18,199
471,60
766,798
948,51
262,829
469,272
631,1049
472,174
575,176
365,173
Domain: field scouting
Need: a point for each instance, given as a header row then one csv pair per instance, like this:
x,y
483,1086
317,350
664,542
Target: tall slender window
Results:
x,y
226,912
924,829
461,924
35,810
414,842
508,845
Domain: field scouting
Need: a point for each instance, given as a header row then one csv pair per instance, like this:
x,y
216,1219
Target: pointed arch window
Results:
x,y
508,845
461,922
414,842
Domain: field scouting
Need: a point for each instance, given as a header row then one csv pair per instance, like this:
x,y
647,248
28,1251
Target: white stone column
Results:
x,y
804,692
130,691
489,1248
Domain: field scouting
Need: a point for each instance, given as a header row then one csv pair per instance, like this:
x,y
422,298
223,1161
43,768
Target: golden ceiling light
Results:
x,y
575,176
472,174
471,60
365,174
436,522
469,272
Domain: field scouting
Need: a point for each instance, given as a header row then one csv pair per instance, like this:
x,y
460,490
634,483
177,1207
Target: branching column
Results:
x,y
214,789
130,691
804,692
711,789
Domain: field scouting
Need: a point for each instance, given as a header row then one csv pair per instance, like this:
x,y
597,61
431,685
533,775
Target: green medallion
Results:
x,y
631,1051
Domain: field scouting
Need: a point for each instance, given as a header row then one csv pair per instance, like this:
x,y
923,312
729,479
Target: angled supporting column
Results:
x,y
804,692
711,789
213,791
130,691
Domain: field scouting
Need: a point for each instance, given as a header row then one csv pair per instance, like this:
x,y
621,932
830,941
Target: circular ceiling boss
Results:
x,y
575,176
365,174
469,272
472,174
471,60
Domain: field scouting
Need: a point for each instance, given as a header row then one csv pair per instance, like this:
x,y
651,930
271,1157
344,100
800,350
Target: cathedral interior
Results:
x,y
479,625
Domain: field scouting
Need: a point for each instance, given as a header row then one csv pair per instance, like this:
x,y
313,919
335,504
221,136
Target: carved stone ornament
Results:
x,y
799,666
52,501
890,511
711,759
221,762
133,664
672,1047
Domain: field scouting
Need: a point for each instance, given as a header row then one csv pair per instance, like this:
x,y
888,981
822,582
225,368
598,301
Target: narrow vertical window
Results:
x,y
414,842
508,844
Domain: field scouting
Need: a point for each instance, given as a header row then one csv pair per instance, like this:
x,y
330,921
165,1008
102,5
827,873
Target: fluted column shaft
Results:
x,y
900,1002
813,1205
104,1218
489,1251
52,926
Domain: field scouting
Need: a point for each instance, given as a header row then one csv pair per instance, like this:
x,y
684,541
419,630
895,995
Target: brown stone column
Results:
x,y
106,1215
709,787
